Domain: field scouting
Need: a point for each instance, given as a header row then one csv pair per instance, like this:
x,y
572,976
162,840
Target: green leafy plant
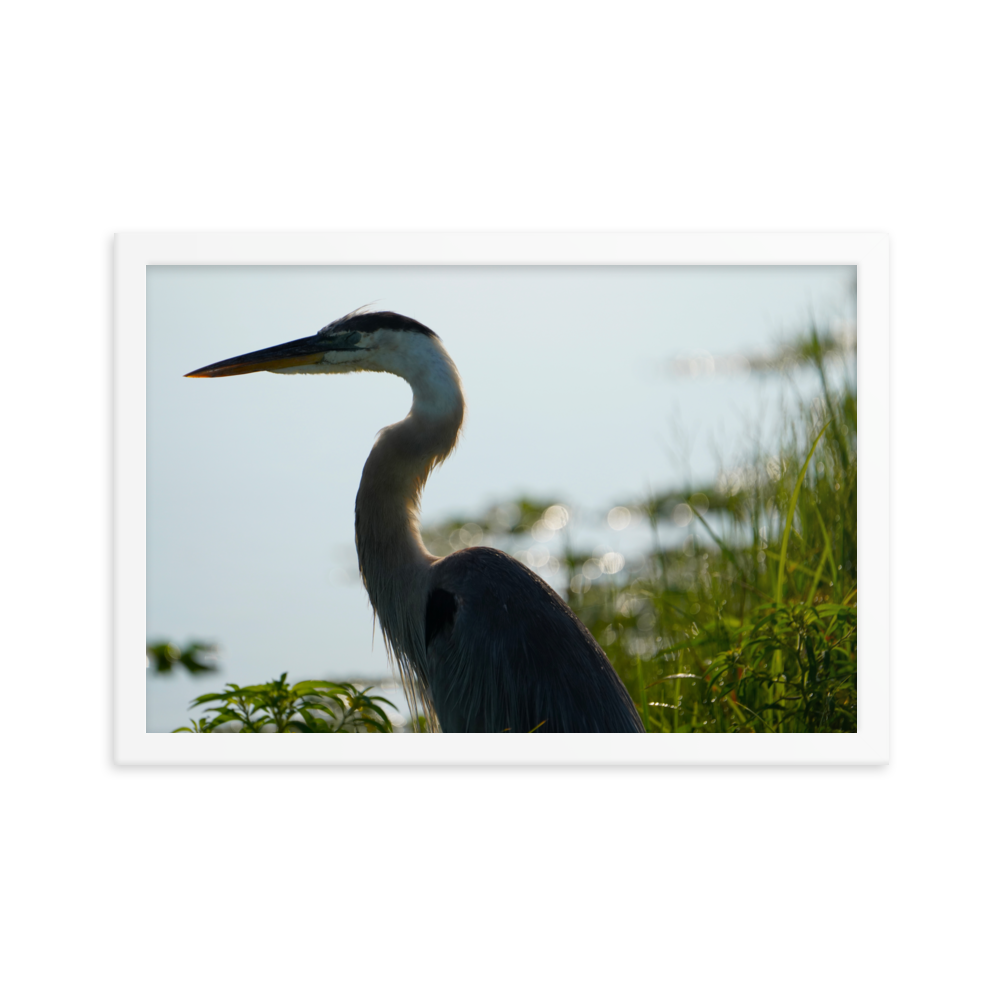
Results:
x,y
280,707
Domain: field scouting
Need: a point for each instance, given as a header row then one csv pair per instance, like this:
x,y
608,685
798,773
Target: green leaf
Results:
x,y
205,698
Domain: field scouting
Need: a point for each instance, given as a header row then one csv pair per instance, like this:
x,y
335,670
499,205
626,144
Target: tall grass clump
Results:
x,y
751,625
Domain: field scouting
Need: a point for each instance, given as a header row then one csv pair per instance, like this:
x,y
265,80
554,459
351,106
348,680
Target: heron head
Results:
x,y
359,341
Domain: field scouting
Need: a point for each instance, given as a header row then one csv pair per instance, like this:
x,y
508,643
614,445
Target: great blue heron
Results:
x,y
480,640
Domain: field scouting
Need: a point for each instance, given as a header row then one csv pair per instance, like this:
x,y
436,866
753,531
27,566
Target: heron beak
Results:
x,y
290,355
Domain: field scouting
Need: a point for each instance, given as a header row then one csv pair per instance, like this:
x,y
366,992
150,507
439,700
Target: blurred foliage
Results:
x,y
195,657
280,707
514,519
710,498
813,348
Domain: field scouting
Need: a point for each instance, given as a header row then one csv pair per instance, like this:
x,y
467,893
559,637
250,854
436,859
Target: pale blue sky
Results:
x,y
251,480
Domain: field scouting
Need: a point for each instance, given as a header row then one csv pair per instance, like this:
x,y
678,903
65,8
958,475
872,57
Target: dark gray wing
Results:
x,y
504,652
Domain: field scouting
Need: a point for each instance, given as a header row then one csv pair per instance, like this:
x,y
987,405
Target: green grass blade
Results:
x,y
826,542
819,573
642,690
726,551
791,514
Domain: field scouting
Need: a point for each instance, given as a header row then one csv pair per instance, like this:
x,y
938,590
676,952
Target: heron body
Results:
x,y
483,642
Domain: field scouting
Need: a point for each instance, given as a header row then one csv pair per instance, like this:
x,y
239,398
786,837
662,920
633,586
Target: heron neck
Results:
x,y
391,554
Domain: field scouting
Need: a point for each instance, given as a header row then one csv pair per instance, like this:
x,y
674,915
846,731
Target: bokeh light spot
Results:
x,y
556,517
540,531
612,562
619,518
700,503
682,515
